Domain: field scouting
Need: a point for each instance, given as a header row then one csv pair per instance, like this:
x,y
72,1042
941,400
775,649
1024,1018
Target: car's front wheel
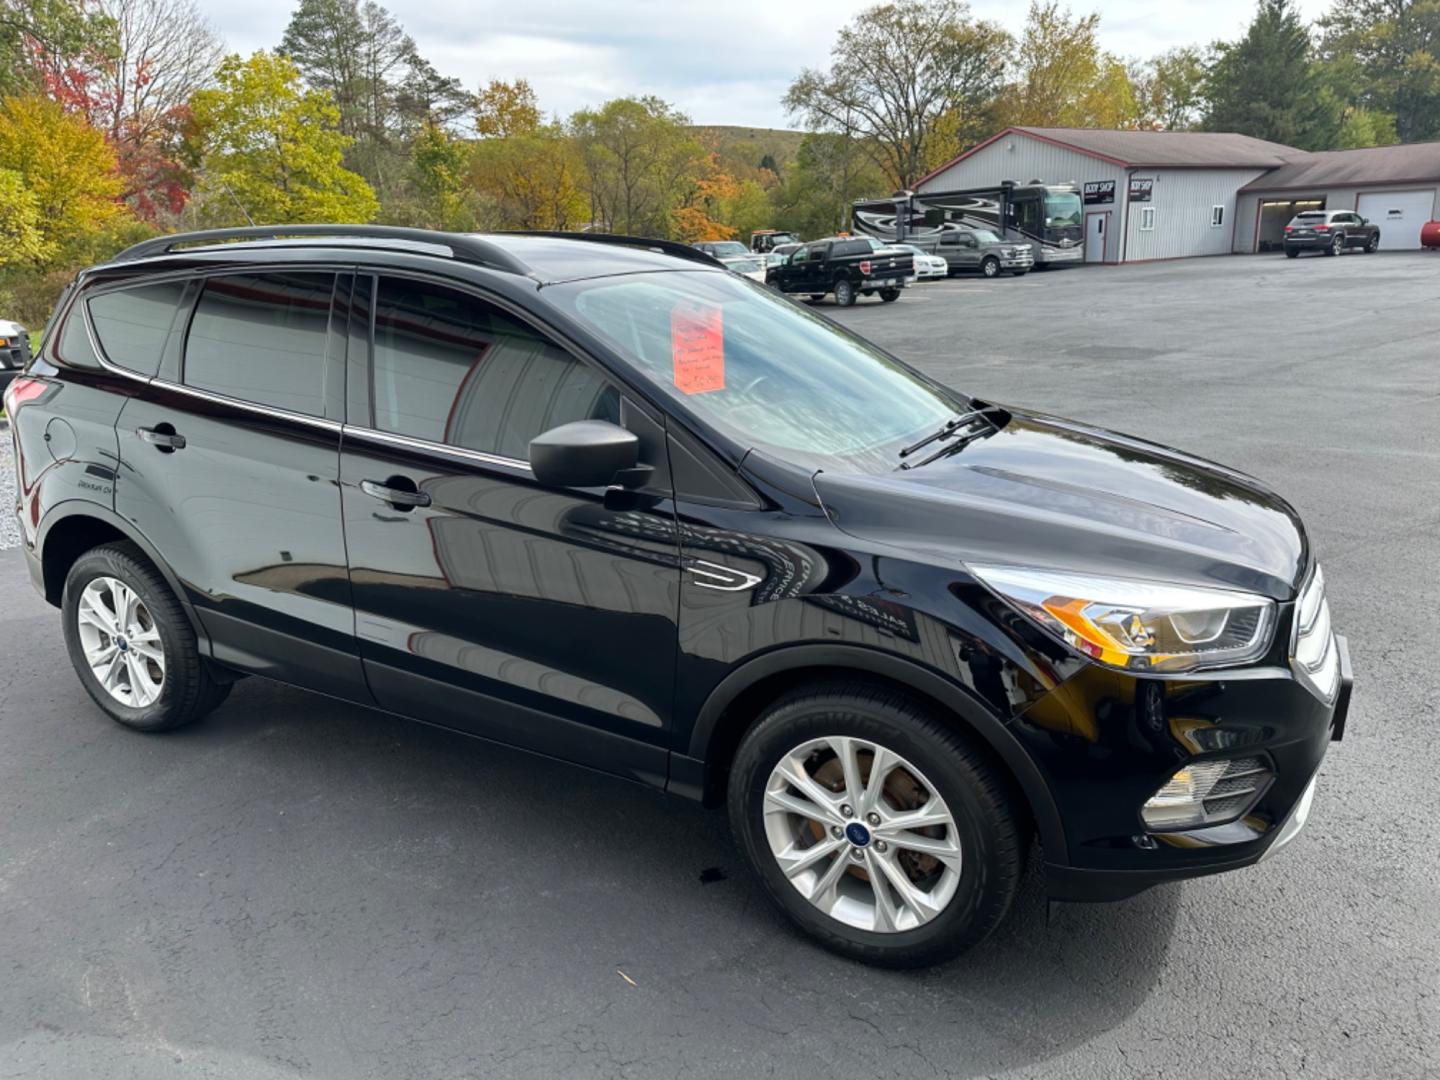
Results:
x,y
990,267
131,644
1373,244
876,827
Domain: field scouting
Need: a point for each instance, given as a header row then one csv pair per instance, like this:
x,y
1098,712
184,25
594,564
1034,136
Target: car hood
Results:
x,y
1046,492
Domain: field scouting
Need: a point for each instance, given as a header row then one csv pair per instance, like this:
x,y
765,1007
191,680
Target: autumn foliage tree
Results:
x,y
65,168
271,151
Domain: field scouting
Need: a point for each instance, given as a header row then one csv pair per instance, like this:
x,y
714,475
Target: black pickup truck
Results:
x,y
847,267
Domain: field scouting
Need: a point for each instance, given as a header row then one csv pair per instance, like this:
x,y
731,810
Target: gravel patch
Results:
x,y
9,527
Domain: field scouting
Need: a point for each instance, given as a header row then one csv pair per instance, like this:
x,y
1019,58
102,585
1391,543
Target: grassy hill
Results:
x,y
743,148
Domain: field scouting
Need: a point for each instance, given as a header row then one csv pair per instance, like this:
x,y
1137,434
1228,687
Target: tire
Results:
x,y
814,298
974,891
185,690
1373,244
990,267
1019,273
844,293
1337,245
889,296
1292,253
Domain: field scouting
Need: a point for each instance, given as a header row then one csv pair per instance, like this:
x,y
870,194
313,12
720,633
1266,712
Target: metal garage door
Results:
x,y
1399,215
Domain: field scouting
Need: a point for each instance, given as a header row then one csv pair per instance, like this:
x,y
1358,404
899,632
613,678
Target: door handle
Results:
x,y
162,440
394,496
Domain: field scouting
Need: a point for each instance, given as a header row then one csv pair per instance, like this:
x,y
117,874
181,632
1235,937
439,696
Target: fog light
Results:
x,y
1207,793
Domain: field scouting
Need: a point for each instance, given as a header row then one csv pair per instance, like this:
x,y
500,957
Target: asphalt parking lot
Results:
x,y
298,888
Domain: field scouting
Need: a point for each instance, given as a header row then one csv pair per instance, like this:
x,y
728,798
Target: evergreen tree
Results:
x,y
1263,85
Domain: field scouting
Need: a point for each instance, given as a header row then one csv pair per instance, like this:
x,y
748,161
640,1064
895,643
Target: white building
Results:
x,y
1172,194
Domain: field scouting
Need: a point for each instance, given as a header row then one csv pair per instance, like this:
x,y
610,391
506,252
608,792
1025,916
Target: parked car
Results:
x,y
723,249
980,250
750,266
1330,231
780,254
764,241
927,265
14,351
848,267
595,498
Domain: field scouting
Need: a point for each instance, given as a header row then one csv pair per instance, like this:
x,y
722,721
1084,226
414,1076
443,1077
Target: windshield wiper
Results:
x,y
945,431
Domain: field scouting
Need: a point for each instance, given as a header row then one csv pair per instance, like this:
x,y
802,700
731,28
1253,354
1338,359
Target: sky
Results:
x,y
722,63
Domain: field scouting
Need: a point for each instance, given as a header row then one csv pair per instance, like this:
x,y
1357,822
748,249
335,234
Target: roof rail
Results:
x,y
668,247
461,246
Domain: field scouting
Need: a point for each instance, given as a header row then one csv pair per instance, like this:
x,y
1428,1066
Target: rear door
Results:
x,y
484,601
230,463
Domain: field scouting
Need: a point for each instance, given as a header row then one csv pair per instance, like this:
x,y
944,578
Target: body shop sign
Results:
x,y
1140,188
1099,191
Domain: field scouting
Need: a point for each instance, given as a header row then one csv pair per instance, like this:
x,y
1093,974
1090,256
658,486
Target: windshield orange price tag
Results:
x,y
697,344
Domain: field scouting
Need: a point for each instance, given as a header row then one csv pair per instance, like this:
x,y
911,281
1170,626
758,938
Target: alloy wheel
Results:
x,y
862,834
121,642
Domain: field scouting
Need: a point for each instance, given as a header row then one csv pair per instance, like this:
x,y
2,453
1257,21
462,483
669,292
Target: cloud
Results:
x,y
723,62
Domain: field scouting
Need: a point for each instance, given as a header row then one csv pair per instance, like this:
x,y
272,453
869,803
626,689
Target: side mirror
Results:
x,y
585,453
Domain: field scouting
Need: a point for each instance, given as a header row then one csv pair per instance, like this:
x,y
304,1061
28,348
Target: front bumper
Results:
x,y
1022,261
1260,713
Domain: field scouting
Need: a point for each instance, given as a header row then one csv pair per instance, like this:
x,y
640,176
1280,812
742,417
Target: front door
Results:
x,y
1096,227
230,467
483,600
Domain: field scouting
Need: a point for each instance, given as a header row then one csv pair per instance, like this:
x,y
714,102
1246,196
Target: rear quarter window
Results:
x,y
132,325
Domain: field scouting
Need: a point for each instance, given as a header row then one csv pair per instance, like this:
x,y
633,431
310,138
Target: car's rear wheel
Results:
x,y
1292,253
844,293
990,267
1337,245
878,829
131,644
889,295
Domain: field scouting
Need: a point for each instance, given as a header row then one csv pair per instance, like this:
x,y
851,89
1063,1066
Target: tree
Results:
x,y
1392,47
52,46
1264,85
895,71
139,97
271,151
22,239
1169,89
639,158
532,180
66,169
503,109
441,164
1064,78
830,171
386,93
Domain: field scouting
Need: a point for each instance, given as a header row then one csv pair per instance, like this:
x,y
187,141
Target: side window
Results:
x,y
133,324
261,338
451,368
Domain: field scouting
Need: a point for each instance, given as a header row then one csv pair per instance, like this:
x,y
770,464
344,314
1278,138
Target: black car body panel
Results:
x,y
635,630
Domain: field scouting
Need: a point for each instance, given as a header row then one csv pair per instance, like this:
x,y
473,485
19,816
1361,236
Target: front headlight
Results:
x,y
1139,625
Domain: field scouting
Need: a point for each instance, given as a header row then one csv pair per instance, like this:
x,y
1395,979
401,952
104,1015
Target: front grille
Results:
x,y
1313,651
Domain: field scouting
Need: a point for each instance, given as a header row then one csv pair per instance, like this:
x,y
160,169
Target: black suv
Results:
x,y
597,498
1330,231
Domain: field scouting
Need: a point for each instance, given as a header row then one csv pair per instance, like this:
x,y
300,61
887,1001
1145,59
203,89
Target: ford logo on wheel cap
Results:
x,y
857,834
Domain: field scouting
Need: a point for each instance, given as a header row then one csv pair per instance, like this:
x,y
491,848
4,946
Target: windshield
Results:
x,y
1062,210
765,371
727,247
742,266
985,236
